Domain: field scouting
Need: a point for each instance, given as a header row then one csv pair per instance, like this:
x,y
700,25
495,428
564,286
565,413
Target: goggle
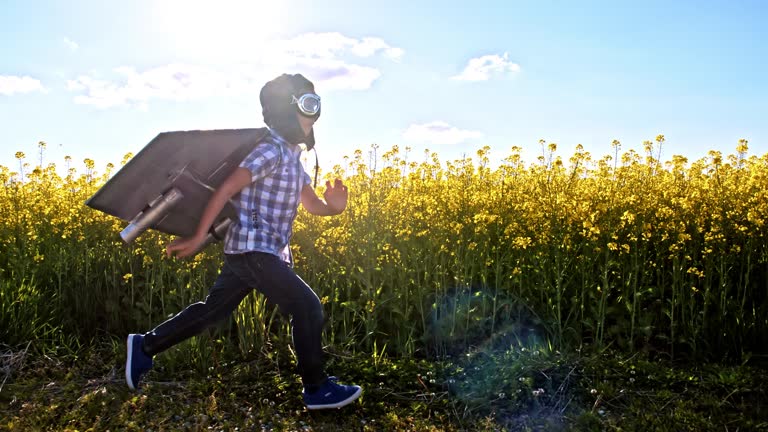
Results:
x,y
308,104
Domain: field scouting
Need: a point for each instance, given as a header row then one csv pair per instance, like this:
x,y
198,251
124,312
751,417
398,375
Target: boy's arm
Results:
x,y
236,181
335,199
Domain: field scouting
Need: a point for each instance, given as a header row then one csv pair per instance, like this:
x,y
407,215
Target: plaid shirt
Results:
x,y
267,207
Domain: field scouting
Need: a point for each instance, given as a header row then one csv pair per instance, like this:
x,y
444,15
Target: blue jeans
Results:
x,y
241,274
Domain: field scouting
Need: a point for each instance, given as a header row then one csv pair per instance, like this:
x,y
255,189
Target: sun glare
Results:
x,y
216,29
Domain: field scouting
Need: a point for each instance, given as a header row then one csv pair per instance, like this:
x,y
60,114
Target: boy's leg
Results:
x,y
277,281
223,297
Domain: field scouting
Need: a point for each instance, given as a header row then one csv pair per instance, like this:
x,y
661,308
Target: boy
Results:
x,y
271,182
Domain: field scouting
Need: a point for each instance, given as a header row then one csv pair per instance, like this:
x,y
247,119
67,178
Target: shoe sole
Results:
x,y
128,359
345,402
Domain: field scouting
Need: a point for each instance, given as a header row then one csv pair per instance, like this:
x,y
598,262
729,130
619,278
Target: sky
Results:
x,y
98,79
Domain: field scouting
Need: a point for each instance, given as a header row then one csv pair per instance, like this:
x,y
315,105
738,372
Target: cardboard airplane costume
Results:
x,y
166,186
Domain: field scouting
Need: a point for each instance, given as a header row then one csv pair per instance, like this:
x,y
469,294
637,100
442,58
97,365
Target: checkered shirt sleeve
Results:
x,y
262,160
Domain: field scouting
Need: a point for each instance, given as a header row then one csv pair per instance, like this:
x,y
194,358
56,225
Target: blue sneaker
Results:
x,y
136,362
331,395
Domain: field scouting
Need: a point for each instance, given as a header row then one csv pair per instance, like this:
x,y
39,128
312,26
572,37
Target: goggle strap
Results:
x,y
317,167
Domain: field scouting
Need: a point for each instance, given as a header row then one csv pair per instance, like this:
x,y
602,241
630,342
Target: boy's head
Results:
x,y
288,101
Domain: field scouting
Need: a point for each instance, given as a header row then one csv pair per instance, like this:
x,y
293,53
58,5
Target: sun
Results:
x,y
216,29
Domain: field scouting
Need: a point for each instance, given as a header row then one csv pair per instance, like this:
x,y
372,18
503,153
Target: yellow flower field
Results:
x,y
431,256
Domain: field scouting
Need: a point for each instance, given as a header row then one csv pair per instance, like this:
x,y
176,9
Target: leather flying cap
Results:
x,y
279,114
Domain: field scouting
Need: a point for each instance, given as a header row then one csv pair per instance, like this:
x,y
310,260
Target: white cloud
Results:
x,y
439,132
330,75
10,84
481,68
321,57
169,82
72,45
370,46
334,44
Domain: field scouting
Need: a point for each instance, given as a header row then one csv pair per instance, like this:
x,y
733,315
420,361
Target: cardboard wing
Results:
x,y
168,183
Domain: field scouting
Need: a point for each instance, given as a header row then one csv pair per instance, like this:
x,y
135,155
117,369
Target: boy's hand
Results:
x,y
184,247
336,195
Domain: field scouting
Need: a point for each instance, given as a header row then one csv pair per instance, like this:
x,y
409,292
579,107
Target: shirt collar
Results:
x,y
278,138
294,148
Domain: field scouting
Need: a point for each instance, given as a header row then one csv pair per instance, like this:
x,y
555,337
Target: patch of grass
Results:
x,y
515,389
262,393
675,397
